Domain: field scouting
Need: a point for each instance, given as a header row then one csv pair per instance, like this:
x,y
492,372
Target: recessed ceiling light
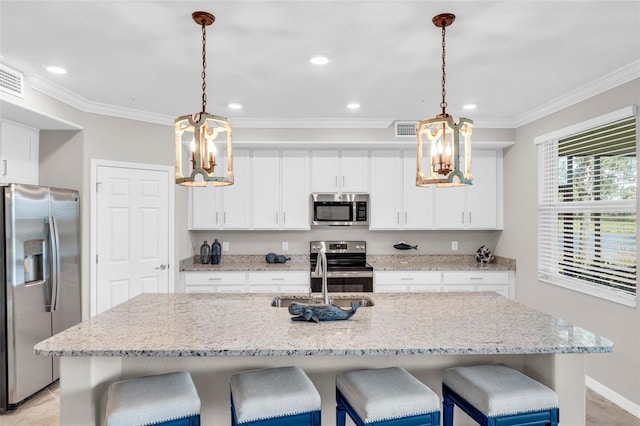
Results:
x,y
470,106
56,70
353,105
235,105
320,59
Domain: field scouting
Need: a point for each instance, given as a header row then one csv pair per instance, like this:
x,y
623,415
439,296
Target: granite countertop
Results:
x,y
379,262
203,324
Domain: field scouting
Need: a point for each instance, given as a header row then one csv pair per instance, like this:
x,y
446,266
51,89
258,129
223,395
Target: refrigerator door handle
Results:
x,y
55,263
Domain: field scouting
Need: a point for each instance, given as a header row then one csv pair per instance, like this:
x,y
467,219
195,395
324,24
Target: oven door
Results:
x,y
344,284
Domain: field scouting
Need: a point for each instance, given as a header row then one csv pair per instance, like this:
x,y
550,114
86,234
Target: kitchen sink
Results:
x,y
341,301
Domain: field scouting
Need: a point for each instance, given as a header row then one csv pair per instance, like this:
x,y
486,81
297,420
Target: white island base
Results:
x,y
84,380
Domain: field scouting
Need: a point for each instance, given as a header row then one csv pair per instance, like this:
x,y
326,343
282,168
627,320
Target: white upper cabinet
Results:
x,y
477,206
19,153
396,201
280,189
339,171
223,207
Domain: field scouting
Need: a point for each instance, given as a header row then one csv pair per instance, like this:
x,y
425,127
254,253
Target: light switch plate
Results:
x,y
454,245
225,246
285,246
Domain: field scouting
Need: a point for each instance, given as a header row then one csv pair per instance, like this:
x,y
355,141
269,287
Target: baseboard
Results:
x,y
613,396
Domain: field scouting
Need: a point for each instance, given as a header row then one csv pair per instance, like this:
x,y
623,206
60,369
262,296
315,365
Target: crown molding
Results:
x,y
83,104
607,82
602,84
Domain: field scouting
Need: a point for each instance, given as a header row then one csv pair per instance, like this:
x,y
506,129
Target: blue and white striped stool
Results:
x,y
165,399
274,396
498,395
385,396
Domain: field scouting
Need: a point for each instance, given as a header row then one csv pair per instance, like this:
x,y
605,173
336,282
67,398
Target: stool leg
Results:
x,y
341,414
447,410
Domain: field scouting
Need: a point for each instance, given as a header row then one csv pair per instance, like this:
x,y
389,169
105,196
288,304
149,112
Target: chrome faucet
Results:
x,y
321,268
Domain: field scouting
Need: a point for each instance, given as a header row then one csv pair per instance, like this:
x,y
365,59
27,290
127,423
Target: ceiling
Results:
x,y
515,59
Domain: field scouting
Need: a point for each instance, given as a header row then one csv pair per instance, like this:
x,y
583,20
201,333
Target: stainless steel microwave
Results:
x,y
340,209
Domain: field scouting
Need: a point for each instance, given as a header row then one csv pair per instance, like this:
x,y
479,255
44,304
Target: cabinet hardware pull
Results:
x,y
276,218
284,217
469,217
343,181
216,217
277,279
405,217
4,167
215,279
461,217
336,181
398,217
224,217
476,278
407,279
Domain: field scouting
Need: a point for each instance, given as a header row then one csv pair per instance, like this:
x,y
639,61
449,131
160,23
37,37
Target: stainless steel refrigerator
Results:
x,y
39,283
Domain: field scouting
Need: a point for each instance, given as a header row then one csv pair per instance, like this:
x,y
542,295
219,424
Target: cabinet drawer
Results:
x,y
279,278
407,278
215,278
476,278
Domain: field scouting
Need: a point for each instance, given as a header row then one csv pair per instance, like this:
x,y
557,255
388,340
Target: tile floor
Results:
x,y
42,410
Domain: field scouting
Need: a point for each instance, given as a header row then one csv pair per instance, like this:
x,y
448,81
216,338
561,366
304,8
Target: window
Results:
x,y
587,207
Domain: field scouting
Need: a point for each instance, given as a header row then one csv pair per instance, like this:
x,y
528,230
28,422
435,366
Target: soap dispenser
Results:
x,y
216,252
205,253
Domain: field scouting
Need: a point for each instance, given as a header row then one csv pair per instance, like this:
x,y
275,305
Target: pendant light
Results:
x,y
445,136
198,136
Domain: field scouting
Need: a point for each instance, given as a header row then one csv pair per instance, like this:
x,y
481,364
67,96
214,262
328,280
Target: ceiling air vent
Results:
x,y
11,81
405,129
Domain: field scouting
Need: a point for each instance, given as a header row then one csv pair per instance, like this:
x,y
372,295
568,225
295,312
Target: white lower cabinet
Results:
x,y
497,281
501,282
406,281
279,282
246,282
215,282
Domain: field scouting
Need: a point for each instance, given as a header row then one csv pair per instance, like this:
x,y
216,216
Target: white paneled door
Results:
x,y
132,233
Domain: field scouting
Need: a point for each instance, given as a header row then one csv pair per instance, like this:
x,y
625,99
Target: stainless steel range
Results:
x,y
347,267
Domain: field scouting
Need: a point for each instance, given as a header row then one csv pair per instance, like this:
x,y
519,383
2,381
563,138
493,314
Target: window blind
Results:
x,y
587,208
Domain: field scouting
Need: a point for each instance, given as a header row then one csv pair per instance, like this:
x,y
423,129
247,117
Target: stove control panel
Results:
x,y
339,246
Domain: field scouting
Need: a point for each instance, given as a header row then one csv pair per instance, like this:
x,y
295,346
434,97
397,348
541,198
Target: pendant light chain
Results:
x,y
443,104
204,66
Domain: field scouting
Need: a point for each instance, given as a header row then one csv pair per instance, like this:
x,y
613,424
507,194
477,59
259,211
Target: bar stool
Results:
x,y
497,394
274,397
385,396
165,399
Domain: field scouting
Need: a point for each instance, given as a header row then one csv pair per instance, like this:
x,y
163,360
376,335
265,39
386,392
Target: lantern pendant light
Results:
x,y
197,135
444,136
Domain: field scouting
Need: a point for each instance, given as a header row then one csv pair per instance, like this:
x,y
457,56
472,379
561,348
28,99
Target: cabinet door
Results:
x,y
266,184
204,204
354,171
450,209
294,190
418,201
19,159
385,194
325,166
236,198
482,200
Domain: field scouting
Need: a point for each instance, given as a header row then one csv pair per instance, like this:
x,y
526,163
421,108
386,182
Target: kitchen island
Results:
x,y
216,335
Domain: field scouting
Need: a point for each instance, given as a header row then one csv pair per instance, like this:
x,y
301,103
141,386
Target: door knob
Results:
x,y
163,267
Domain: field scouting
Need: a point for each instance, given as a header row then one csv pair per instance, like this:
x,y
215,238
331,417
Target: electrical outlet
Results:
x,y
285,246
225,246
454,245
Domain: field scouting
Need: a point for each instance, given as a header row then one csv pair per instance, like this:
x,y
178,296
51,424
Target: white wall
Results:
x,y
619,371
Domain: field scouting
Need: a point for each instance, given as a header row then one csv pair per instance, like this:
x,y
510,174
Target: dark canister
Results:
x,y
205,253
216,252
